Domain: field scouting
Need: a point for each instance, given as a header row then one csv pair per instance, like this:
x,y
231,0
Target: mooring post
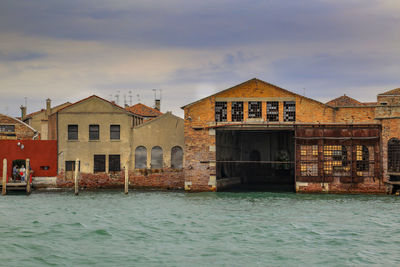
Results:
x,y
28,177
76,177
126,178
4,190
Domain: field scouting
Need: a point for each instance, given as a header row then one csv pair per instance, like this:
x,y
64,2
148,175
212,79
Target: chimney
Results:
x,y
158,104
23,112
48,107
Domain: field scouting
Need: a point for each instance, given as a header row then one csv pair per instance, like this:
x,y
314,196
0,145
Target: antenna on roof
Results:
x,y
125,100
130,98
155,93
138,98
26,101
117,97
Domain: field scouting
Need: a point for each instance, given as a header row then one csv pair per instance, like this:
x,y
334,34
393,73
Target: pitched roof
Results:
x,y
19,121
257,80
43,110
168,113
143,110
392,92
344,101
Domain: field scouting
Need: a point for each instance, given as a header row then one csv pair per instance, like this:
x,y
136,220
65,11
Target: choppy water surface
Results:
x,y
217,229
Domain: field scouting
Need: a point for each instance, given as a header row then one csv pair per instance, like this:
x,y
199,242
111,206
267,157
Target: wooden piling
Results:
x,y
4,189
28,177
76,177
126,179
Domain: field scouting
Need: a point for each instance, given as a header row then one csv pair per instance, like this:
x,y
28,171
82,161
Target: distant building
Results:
x,y
39,119
15,129
144,111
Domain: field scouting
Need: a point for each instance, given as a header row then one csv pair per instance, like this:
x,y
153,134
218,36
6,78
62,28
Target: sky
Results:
x,y
67,50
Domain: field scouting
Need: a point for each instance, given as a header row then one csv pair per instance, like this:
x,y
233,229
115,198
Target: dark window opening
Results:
x,y
176,157
72,132
114,163
70,165
140,157
7,128
362,157
289,111
156,158
255,109
273,111
94,132
114,132
99,163
237,111
45,168
394,155
220,111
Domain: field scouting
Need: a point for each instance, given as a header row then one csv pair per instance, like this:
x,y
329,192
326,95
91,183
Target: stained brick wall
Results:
x,y
22,131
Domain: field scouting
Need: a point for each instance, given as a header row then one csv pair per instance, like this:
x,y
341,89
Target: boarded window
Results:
x,y
273,111
255,109
7,128
140,157
176,157
220,111
394,155
99,163
237,111
114,163
114,132
309,160
72,132
289,111
94,132
156,158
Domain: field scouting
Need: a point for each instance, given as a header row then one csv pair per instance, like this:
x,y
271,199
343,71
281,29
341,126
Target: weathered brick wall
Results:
x,y
22,131
390,129
355,115
165,179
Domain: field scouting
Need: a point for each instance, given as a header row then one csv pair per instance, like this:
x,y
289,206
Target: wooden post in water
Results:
x,y
126,178
76,177
28,176
4,190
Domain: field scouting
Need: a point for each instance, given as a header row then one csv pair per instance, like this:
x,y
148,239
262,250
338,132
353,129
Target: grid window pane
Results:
x,y
72,132
7,128
273,111
255,109
114,163
114,132
289,111
237,111
94,132
220,111
99,163
394,155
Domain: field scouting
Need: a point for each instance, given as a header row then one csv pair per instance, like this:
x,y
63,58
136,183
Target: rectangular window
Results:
x,y
73,132
220,111
289,111
336,161
99,163
237,111
70,166
114,163
273,111
94,132
255,109
309,160
7,128
114,132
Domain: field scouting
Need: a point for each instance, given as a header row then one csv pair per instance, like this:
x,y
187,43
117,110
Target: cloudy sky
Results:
x,y
69,49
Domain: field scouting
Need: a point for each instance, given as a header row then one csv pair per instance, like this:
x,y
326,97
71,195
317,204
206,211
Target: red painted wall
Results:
x,y
40,153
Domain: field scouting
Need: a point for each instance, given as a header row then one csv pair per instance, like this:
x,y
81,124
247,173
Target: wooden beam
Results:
x,y
126,179
4,189
28,176
76,177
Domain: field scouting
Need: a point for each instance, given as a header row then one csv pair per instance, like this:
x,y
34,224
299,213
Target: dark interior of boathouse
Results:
x,y
255,160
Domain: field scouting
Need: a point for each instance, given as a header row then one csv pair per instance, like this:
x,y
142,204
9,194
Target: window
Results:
x,y
114,132
7,128
273,111
237,111
94,132
336,161
362,157
70,165
220,111
114,163
289,111
156,158
255,109
309,160
394,155
140,157
45,168
73,132
99,163
176,157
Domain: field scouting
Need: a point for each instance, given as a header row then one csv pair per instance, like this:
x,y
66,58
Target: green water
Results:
x,y
214,229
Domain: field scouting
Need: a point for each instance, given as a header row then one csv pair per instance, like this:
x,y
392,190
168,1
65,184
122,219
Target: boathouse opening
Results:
x,y
255,160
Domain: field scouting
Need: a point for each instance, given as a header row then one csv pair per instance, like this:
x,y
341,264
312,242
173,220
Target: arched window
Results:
x,y
140,157
156,158
394,155
176,157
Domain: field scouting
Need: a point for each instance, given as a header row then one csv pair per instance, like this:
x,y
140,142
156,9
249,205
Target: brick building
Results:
x,y
259,136
15,129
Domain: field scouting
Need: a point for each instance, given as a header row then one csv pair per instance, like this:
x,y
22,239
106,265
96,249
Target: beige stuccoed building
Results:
x,y
95,131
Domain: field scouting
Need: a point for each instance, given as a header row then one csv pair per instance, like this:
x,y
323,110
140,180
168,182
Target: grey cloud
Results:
x,y
21,56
